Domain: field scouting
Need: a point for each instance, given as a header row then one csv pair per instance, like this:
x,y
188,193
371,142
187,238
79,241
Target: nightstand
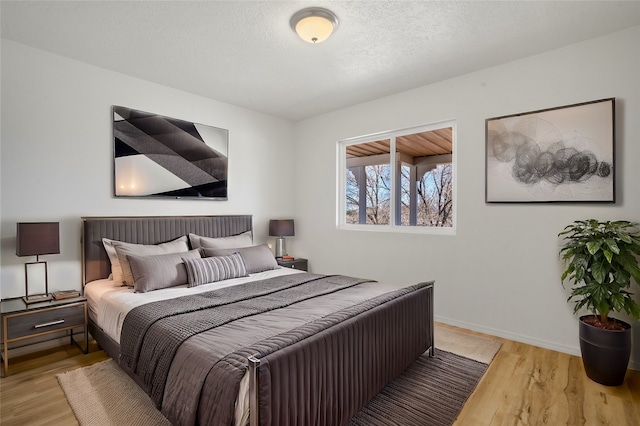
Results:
x,y
297,263
21,321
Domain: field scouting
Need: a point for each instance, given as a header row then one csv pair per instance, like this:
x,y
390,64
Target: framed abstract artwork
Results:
x,y
563,154
158,156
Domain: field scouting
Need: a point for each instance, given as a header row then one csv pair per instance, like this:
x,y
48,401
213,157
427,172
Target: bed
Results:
x,y
270,347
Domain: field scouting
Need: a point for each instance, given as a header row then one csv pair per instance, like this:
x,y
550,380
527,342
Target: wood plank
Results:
x,y
528,385
525,385
31,394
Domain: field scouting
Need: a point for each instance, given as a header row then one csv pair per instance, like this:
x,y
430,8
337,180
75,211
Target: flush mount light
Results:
x,y
314,24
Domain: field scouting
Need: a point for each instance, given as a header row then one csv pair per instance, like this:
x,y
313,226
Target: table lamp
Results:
x,y
36,239
281,228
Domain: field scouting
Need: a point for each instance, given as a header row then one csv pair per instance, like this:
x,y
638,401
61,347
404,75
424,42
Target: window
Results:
x,y
398,180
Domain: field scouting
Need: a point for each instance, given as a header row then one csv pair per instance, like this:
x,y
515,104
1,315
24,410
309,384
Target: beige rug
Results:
x,y
102,394
477,348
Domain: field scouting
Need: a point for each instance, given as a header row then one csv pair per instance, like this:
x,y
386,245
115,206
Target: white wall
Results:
x,y
500,273
57,155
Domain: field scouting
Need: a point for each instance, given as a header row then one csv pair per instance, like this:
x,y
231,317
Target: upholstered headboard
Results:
x,y
147,230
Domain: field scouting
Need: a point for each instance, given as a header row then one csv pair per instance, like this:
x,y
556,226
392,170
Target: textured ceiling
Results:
x,y
245,53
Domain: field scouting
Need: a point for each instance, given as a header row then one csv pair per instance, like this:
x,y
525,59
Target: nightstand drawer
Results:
x,y
46,320
298,263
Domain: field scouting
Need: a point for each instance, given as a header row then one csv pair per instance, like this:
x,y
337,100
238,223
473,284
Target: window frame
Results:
x,y
341,204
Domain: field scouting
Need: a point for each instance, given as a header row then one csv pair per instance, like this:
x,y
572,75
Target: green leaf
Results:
x,y
567,252
611,243
632,308
594,246
598,273
635,247
622,278
635,273
618,302
567,272
624,237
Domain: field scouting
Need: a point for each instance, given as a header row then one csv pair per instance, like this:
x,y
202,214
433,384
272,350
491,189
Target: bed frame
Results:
x,y
388,337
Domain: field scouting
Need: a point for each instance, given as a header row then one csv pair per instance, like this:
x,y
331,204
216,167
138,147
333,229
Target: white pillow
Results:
x,y
123,249
234,241
116,269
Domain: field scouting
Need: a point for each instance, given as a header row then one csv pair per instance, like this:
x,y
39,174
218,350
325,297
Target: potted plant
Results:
x,y
601,262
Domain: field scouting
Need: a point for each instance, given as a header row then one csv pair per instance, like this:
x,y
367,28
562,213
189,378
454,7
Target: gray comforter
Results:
x,y
173,346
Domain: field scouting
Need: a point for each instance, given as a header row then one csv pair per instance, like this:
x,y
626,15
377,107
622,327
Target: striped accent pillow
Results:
x,y
213,269
256,258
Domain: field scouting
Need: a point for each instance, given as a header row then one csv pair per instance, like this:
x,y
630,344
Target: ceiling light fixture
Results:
x,y
314,24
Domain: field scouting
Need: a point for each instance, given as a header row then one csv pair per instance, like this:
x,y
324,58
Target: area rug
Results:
x,y
431,391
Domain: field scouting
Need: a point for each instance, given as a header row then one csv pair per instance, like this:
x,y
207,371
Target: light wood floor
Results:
x,y
525,385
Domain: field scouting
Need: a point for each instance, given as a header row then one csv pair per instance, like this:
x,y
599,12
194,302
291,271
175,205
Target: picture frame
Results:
x,y
163,157
555,155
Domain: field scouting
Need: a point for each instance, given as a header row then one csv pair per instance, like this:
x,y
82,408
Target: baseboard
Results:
x,y
571,350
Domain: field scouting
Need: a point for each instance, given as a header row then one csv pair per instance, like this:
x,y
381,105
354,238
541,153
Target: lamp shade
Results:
x,y
36,238
281,228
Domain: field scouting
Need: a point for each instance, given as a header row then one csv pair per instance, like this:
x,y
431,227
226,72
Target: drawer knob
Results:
x,y
47,324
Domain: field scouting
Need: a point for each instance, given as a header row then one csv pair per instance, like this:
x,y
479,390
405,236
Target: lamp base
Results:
x,y
281,247
40,297
35,298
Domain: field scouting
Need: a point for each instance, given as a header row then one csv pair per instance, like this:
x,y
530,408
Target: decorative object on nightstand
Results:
x,y
281,228
37,239
65,294
297,263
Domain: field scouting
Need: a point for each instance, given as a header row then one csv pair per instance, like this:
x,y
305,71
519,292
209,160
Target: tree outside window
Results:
x,y
423,178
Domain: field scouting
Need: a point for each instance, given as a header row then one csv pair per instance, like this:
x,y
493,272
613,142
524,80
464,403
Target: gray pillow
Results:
x,y
256,258
160,271
213,269
234,241
125,249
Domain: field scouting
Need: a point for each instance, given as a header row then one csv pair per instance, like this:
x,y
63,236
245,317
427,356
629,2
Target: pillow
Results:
x,y
212,269
235,241
256,258
116,269
159,271
125,249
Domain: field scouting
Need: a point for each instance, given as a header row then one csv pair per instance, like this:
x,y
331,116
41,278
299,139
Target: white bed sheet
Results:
x,y
94,293
109,303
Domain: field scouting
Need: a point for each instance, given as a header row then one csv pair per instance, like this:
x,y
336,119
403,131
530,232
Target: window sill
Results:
x,y
425,230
